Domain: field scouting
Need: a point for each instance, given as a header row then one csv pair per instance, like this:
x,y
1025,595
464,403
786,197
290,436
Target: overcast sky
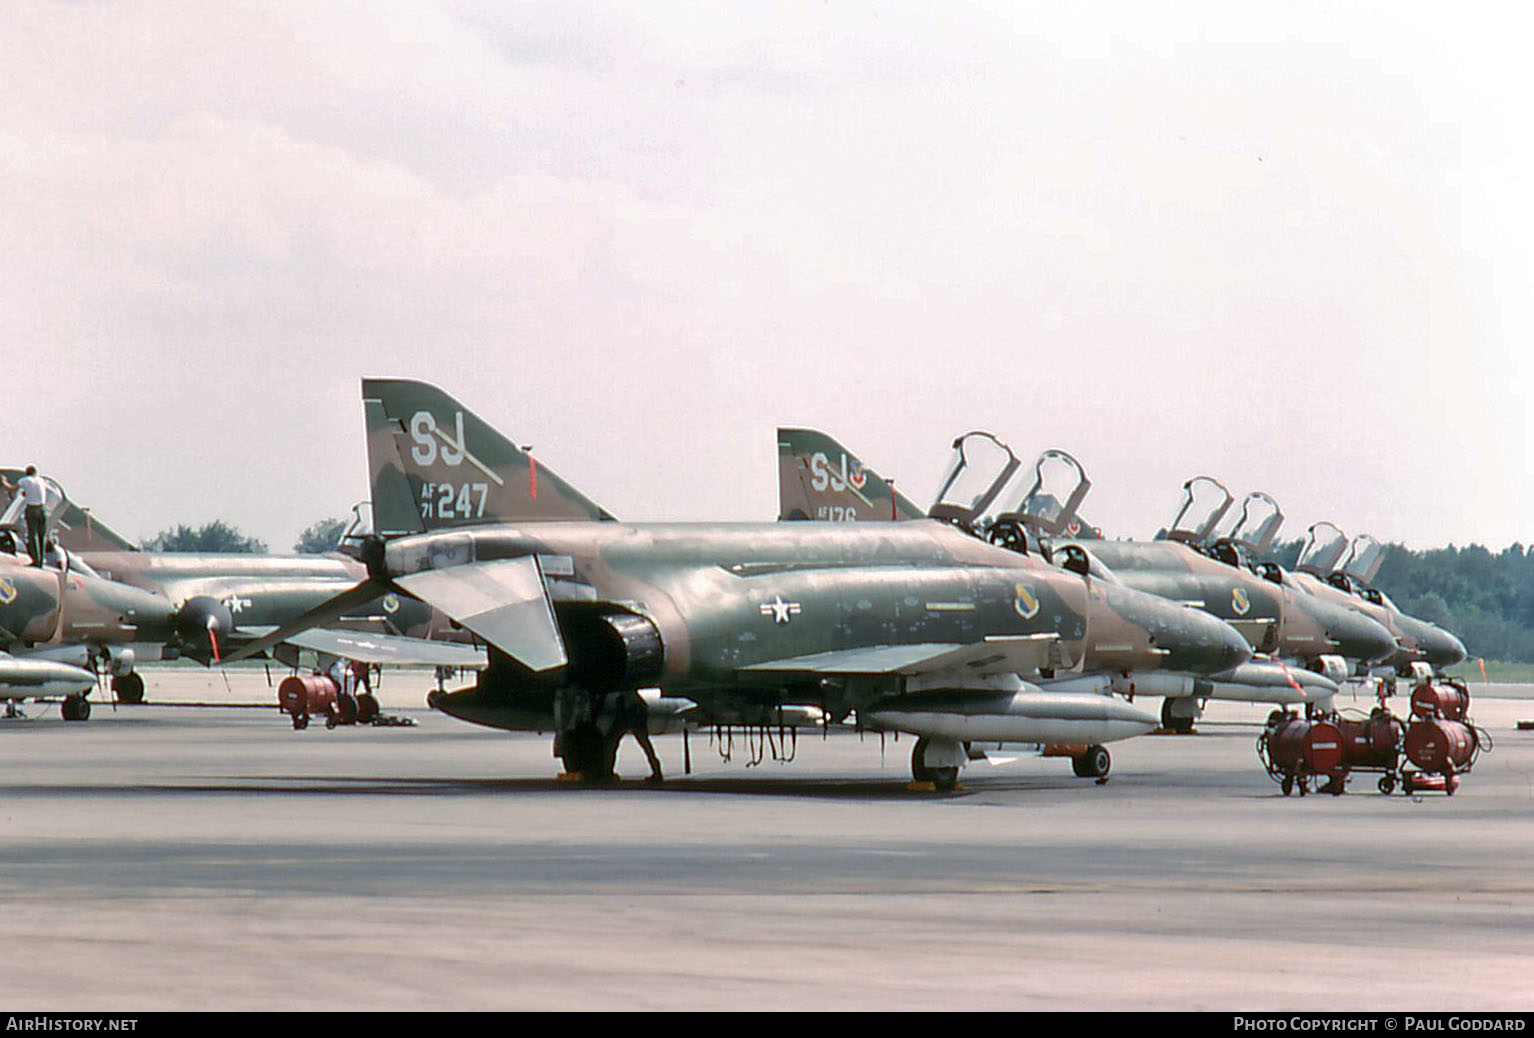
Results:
x,y
1284,245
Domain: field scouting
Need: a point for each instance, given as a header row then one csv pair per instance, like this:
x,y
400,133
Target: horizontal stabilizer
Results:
x,y
326,612
1004,654
503,602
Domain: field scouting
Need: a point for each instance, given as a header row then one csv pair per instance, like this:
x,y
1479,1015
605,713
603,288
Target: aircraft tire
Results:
x,y
942,779
129,688
76,708
1094,763
582,751
1173,723
919,770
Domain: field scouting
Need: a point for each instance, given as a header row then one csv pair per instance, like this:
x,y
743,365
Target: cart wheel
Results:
x,y
1450,784
1406,784
1304,787
1387,785
1287,785
300,722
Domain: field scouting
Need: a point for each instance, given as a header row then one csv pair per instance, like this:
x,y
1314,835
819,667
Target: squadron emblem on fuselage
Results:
x,y
1025,601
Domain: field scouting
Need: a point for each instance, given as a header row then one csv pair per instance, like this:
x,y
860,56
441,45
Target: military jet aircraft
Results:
x,y
916,627
1044,521
56,626
221,600
1341,571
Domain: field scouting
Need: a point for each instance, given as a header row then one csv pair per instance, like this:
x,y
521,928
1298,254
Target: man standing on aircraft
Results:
x,y
35,495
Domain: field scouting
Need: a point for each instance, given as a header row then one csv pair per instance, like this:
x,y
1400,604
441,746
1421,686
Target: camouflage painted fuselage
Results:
x,y
47,606
1415,639
728,597
1275,619
264,590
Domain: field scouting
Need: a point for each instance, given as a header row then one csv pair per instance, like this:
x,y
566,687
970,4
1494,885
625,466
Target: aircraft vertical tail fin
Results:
x,y
434,464
818,478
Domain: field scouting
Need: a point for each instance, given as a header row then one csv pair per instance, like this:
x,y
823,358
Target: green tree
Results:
x,y
320,537
217,536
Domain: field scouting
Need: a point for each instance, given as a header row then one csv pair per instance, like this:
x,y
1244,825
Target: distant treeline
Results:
x,y
219,537
1487,599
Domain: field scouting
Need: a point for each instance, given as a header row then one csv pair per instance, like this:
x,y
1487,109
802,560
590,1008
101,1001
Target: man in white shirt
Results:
x,y
54,554
35,494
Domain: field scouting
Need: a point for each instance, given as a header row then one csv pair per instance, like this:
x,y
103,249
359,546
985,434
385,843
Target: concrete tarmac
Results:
x,y
211,858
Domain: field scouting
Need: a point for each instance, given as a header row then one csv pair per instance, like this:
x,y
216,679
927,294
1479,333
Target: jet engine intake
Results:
x,y
612,651
204,624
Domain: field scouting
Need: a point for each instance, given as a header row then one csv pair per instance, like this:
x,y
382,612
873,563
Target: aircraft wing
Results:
x,y
1003,654
503,602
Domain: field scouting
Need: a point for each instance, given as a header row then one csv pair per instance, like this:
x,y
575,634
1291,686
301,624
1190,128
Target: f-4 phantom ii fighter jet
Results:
x,y
217,601
914,627
56,627
980,494
1342,571
1195,560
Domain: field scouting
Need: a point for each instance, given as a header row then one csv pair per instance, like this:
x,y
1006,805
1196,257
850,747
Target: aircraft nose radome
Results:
x,y
1450,649
1237,649
1360,638
1441,648
1217,640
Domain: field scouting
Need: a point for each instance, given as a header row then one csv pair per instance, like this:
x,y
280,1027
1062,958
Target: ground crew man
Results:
x,y
633,716
35,495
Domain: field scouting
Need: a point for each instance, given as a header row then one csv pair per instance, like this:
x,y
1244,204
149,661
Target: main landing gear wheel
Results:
x,y
1173,721
129,688
1094,763
943,779
367,708
586,753
76,708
